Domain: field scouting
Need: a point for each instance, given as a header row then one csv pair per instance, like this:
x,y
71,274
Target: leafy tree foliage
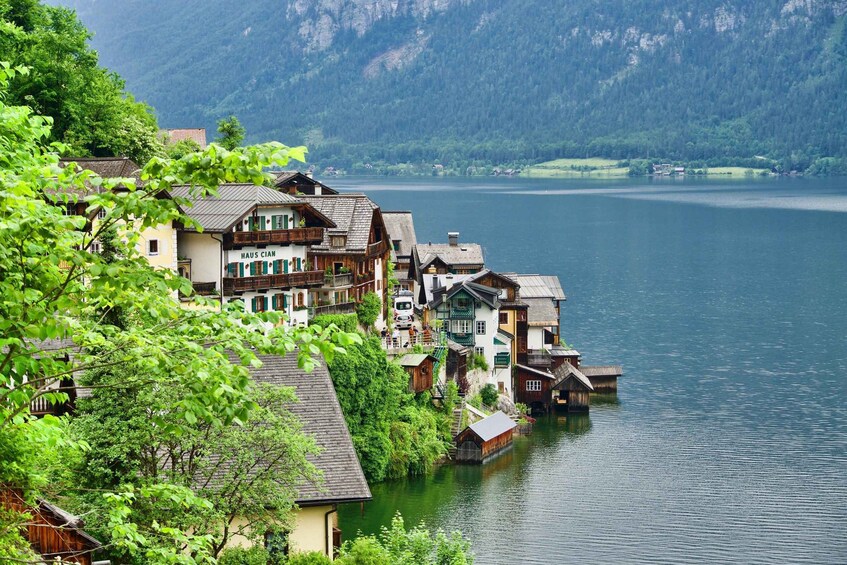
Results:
x,y
181,148
368,309
345,322
91,111
489,394
55,285
232,133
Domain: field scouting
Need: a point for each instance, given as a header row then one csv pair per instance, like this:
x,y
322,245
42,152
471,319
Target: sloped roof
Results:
x,y
601,370
197,135
541,312
482,293
400,225
352,214
430,281
296,178
539,286
104,167
414,359
566,371
234,201
539,372
453,255
320,413
493,426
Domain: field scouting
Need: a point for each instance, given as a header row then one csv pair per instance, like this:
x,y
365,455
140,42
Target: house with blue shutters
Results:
x,y
250,244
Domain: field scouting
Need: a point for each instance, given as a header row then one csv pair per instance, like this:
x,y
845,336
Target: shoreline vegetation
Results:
x,y
596,167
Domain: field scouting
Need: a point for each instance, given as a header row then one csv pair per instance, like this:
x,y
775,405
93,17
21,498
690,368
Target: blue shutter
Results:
x,y
265,303
264,267
253,304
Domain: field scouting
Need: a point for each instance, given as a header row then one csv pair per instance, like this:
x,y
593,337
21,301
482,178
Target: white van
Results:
x,y
403,304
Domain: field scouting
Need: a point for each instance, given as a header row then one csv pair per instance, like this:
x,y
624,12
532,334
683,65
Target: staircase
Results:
x,y
455,428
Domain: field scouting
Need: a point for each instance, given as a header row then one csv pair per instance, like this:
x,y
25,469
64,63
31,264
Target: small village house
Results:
x,y
441,259
420,368
252,248
353,254
482,440
173,136
401,235
296,183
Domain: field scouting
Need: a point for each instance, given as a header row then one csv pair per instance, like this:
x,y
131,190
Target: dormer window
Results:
x,y
338,240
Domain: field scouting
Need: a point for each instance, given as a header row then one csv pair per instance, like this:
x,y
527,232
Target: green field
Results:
x,y
735,171
590,167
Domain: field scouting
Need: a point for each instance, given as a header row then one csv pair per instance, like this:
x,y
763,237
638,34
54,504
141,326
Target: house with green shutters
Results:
x,y
250,244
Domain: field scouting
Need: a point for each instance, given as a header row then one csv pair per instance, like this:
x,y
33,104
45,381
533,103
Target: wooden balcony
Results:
x,y
377,248
301,236
341,308
266,282
339,281
538,358
205,288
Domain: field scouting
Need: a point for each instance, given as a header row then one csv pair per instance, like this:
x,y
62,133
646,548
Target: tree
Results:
x,y
56,287
232,133
368,309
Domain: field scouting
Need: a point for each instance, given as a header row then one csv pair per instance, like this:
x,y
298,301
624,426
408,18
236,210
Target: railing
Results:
x,y
502,359
538,358
462,313
204,288
377,248
341,308
263,237
289,280
462,338
342,279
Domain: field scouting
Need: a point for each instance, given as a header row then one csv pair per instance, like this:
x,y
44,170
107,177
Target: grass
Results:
x,y
736,171
577,168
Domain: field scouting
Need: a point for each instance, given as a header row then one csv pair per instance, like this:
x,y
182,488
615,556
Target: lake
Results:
x,y
726,303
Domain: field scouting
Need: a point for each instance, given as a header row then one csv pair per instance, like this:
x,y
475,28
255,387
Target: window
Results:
x,y
101,213
479,351
301,299
504,318
95,247
338,240
463,303
533,386
153,247
462,326
279,222
396,244
70,209
480,327
260,303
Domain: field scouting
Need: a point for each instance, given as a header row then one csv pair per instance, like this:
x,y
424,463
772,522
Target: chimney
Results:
x,y
453,238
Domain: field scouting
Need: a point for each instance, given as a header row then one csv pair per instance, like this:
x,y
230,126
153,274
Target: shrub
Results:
x,y
308,558
345,322
368,310
256,555
477,361
489,395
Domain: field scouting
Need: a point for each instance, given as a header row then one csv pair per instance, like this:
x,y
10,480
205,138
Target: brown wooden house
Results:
x,y
420,367
52,532
571,389
604,378
484,439
296,183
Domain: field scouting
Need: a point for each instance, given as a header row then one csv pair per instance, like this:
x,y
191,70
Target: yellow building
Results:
x,y
316,520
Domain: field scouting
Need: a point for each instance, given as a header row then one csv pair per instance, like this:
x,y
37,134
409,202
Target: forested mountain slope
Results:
x,y
492,79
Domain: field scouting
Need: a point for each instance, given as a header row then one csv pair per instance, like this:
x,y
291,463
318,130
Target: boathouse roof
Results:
x,y
320,414
567,371
602,370
353,215
400,227
492,426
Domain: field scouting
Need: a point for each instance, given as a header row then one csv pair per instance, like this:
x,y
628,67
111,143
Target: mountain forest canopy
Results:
x,y
493,80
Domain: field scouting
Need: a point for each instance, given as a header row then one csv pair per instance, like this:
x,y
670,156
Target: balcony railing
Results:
x,y
538,358
289,280
341,308
204,288
462,338
461,313
281,237
340,280
377,248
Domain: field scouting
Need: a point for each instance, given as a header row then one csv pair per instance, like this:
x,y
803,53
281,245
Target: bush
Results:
x,y
345,322
308,558
256,555
477,361
489,395
368,310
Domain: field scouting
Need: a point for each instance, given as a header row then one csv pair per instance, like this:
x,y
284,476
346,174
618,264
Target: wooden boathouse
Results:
x,y
53,533
604,378
420,368
480,441
571,389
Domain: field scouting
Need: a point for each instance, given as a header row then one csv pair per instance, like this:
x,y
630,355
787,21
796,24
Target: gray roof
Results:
x,y
318,409
234,201
493,426
414,359
453,255
558,350
566,371
539,372
602,370
400,225
541,312
479,292
540,286
352,214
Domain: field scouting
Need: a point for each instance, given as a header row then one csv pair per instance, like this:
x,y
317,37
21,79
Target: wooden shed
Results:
x,y
52,532
571,389
420,368
604,378
480,441
457,365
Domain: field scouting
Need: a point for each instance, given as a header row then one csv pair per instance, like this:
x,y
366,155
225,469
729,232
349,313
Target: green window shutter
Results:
x,y
297,264
284,301
241,269
275,267
273,222
265,303
264,267
285,222
253,304
285,266
231,269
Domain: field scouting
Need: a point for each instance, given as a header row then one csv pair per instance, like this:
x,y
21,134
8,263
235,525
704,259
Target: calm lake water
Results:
x,y
726,303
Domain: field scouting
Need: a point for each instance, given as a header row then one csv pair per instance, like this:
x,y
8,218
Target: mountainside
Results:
x,y
492,79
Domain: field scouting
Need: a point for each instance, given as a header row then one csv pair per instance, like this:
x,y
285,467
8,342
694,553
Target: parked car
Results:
x,y
403,321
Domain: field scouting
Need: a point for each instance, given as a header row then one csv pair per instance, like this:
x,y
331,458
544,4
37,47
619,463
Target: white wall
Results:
x,y
205,255
269,253
535,338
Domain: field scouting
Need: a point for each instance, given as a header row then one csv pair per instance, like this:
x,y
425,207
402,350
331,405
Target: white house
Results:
x,y
251,245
